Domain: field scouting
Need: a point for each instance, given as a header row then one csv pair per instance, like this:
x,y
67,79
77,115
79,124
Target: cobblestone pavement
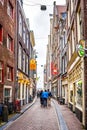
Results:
x,y
70,118
36,118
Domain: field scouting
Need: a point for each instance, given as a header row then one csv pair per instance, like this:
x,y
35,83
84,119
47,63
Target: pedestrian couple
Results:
x,y
45,98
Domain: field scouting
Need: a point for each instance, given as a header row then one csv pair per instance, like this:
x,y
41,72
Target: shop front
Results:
x,y
75,87
23,89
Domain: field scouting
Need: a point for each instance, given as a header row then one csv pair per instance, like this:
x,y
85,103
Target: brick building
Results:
x,y
7,42
22,55
77,66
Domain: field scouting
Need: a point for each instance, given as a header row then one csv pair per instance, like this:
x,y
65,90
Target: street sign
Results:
x,y
80,48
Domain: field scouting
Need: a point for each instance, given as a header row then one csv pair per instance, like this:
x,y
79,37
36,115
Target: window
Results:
x,y
9,73
10,9
23,61
79,93
27,41
69,50
9,43
71,96
23,91
1,34
24,33
2,2
19,90
1,71
20,24
20,57
72,4
79,24
27,66
8,94
68,18
73,41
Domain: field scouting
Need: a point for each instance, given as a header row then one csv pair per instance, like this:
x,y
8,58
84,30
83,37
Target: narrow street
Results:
x,y
36,118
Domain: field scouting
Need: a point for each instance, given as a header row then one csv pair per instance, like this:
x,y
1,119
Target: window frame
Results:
x,y
1,34
2,2
9,43
10,78
20,24
2,69
10,9
8,98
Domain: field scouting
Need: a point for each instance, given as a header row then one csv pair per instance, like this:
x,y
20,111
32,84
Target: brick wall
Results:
x,y
7,56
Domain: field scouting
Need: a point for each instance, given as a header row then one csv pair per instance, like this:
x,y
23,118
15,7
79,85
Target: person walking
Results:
x,y
45,97
49,98
41,98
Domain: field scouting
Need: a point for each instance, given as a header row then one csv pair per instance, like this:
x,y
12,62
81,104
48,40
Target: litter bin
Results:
x,y
5,113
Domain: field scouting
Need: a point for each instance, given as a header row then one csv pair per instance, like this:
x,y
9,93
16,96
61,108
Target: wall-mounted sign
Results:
x,y
80,48
32,64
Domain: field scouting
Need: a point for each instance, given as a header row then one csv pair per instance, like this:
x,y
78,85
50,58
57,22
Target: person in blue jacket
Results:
x,y
45,97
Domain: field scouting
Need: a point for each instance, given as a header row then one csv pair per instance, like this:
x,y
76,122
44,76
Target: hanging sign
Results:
x,y
32,64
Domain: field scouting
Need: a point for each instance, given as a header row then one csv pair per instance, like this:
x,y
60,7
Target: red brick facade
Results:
x,y
6,55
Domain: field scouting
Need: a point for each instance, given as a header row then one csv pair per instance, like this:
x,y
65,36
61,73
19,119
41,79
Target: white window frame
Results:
x,y
20,24
9,43
10,96
9,73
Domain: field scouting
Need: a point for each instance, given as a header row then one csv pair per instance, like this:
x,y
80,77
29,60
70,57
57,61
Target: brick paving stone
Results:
x,y
36,118
70,118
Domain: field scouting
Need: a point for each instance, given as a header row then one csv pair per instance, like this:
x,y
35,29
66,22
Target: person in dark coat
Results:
x,y
41,98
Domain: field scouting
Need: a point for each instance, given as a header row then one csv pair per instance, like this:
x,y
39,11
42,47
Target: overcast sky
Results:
x,y
40,23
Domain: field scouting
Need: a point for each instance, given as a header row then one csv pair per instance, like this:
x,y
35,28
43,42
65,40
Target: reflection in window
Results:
x,y
20,25
9,43
9,73
20,57
23,61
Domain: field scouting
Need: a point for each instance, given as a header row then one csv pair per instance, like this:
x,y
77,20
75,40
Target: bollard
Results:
x,y
5,113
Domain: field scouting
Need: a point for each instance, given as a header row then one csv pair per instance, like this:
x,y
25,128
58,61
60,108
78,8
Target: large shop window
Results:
x,y
79,93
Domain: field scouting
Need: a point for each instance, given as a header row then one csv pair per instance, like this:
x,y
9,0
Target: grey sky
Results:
x,y
40,24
